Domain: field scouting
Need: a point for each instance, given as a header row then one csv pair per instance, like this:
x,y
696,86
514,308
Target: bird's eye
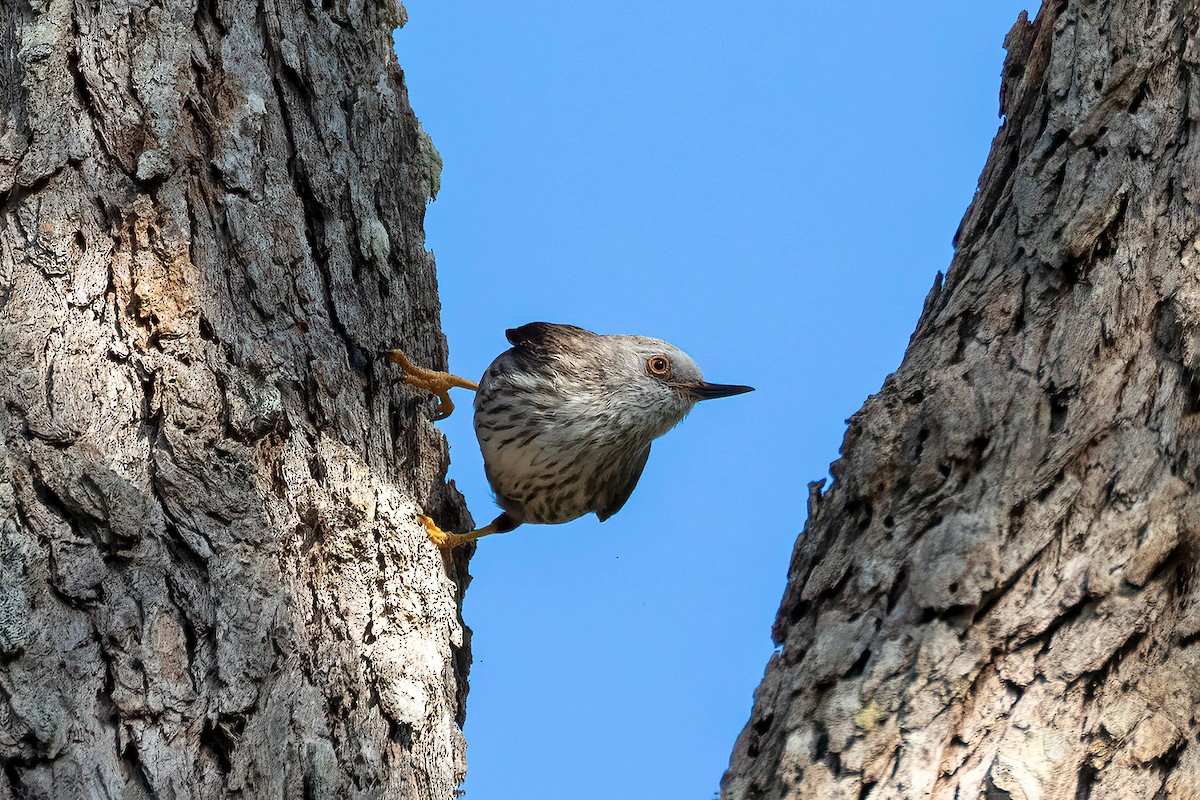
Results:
x,y
658,365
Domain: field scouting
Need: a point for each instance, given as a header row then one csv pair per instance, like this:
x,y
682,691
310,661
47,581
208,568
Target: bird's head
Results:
x,y
664,382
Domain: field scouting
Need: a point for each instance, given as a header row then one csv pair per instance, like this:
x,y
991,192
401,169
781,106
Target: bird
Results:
x,y
565,419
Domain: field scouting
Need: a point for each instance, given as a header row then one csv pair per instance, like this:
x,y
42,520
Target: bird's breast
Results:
x,y
548,457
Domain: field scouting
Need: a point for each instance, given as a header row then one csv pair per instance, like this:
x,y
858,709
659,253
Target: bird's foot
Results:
x,y
431,380
443,540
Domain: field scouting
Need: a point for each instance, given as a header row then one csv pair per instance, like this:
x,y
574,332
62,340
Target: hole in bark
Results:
x,y
1073,269
131,764
401,733
822,745
220,742
835,763
915,397
1018,324
1056,141
888,521
14,778
81,87
1193,390
317,470
860,666
1107,244
1087,778
1168,332
1058,411
865,791
978,449
993,792
206,330
953,587
863,510
922,435
763,725
1060,177
1015,521
1143,90
944,469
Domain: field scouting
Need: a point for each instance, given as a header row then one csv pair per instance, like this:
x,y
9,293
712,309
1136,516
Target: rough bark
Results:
x,y
211,579
996,596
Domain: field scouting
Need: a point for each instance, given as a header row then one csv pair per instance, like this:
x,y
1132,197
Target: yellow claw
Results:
x,y
431,380
448,541
436,535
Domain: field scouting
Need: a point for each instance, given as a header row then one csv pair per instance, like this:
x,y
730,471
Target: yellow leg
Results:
x,y
449,541
431,380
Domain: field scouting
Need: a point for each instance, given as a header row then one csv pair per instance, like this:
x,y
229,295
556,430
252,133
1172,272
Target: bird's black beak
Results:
x,y
709,391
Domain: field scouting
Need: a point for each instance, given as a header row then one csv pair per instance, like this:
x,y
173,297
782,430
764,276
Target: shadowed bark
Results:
x,y
996,596
212,582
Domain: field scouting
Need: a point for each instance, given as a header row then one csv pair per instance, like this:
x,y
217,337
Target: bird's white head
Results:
x,y
659,383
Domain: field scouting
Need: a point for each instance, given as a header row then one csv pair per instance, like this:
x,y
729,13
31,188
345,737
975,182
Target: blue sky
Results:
x,y
772,187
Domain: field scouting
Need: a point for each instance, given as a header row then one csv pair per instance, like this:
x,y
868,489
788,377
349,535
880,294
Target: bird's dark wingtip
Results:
x,y
543,334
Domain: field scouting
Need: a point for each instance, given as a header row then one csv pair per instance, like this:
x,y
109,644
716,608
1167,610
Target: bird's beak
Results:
x,y
708,391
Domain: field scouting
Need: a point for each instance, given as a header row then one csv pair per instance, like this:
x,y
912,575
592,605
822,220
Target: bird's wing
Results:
x,y
546,335
624,482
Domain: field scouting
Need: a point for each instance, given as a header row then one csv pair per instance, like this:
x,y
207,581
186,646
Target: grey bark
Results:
x,y
996,597
212,582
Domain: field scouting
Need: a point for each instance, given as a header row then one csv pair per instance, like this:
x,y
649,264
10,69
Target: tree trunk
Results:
x,y
996,598
212,582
